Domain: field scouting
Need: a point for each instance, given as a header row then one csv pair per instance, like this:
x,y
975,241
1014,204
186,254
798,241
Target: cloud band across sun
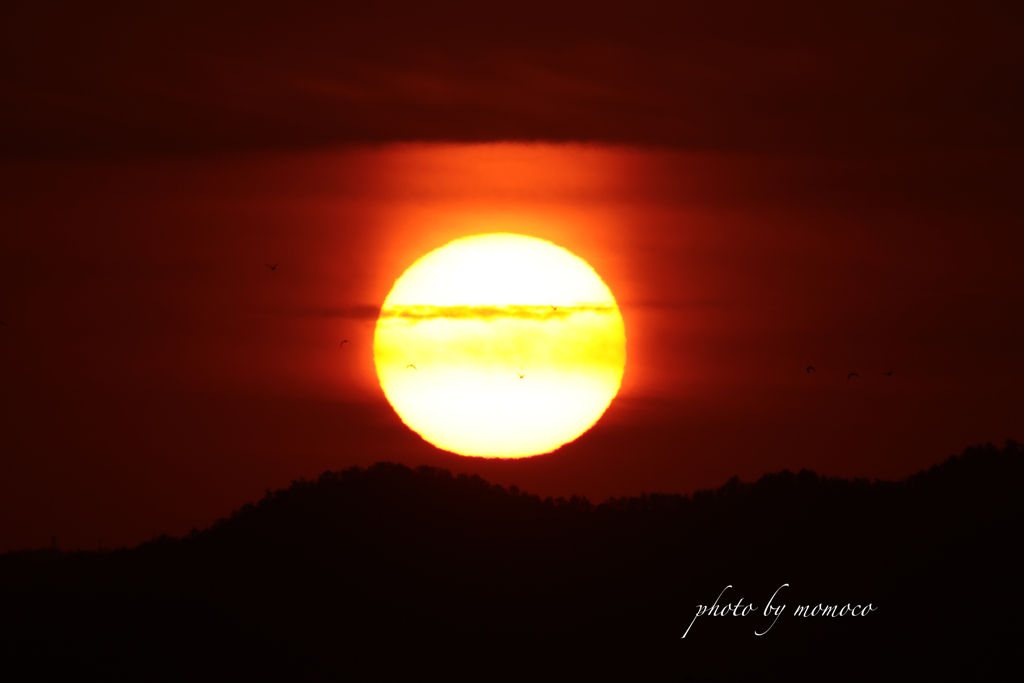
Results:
x,y
517,344
548,312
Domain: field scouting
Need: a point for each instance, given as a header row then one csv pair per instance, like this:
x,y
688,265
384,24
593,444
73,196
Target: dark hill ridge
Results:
x,y
389,568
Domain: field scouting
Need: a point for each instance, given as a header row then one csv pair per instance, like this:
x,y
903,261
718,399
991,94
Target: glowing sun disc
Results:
x,y
500,345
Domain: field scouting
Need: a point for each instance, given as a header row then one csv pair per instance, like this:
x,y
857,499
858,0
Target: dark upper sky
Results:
x,y
764,187
859,78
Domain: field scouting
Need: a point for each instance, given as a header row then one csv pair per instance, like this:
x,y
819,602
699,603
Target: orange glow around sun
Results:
x,y
500,345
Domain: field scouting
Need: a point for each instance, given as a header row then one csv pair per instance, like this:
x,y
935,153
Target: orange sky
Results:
x,y
763,186
156,374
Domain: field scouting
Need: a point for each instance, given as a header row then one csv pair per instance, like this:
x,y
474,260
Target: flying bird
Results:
x,y
410,365
852,374
888,374
520,375
272,267
553,307
810,369
345,341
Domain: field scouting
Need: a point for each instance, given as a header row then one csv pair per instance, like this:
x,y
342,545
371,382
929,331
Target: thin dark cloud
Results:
x,y
356,312
492,312
371,312
669,306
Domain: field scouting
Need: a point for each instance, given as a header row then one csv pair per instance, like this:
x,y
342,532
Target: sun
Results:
x,y
500,346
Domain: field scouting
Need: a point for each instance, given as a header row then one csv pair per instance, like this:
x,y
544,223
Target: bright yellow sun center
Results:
x,y
500,346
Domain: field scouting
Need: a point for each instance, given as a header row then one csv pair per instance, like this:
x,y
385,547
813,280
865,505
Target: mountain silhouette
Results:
x,y
389,570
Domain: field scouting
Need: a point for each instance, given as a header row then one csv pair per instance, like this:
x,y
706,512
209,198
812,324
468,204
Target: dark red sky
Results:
x,y
763,188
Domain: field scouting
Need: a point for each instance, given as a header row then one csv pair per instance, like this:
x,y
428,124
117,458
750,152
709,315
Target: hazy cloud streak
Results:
x,y
492,312
357,312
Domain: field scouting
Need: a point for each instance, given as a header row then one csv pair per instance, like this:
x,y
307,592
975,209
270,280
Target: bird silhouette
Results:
x,y
852,374
345,341
553,307
272,267
888,374
410,365
521,375
810,369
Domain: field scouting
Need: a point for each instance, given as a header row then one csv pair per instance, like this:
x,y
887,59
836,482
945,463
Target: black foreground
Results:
x,y
390,572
